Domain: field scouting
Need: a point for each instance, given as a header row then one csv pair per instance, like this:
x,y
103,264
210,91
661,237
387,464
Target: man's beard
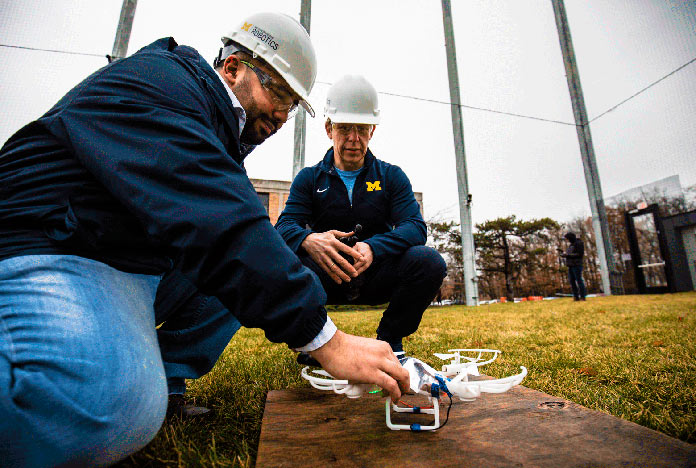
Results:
x,y
249,134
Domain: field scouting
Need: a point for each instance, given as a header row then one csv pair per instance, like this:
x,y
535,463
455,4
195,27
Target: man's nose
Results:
x,y
280,116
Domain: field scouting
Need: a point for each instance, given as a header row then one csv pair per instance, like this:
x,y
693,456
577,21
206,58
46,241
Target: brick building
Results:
x,y
274,194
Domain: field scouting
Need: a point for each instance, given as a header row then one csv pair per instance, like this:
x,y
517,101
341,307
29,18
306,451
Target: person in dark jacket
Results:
x,y
388,261
573,259
134,173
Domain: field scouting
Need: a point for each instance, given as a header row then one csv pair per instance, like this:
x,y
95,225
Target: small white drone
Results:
x,y
453,380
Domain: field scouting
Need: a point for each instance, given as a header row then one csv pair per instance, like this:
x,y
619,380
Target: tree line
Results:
x,y
519,258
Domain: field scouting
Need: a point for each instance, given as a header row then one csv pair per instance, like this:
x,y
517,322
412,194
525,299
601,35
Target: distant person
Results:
x,y
139,168
574,259
384,259
438,298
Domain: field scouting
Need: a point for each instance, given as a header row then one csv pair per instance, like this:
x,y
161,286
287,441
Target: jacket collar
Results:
x,y
327,164
206,73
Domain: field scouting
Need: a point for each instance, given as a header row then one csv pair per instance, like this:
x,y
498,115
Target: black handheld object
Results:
x,y
353,287
350,241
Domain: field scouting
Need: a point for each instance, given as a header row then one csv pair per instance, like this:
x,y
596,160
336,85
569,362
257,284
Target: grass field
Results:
x,y
630,356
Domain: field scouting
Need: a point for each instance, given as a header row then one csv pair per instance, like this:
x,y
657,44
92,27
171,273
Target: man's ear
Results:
x,y
372,132
230,69
327,127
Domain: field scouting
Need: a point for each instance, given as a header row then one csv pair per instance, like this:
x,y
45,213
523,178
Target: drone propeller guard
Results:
x,y
327,382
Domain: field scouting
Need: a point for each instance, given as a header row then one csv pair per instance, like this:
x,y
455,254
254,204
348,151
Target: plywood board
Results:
x,y
520,428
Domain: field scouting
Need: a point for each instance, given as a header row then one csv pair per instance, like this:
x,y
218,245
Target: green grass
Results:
x,y
630,356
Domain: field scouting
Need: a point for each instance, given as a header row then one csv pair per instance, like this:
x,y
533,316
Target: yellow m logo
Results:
x,y
246,26
373,186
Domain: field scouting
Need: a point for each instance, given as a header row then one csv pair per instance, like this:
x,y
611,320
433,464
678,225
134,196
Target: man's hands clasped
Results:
x,y
325,249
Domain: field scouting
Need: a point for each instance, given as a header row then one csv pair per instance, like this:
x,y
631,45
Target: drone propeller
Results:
x,y
328,382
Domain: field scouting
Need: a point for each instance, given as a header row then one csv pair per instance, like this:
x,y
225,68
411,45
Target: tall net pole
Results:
x,y
469,266
298,160
605,252
123,32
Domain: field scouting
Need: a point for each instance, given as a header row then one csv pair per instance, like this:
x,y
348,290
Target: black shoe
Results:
x,y
177,408
306,360
576,298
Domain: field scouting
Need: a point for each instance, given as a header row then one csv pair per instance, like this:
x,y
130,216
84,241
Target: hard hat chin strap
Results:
x,y
230,49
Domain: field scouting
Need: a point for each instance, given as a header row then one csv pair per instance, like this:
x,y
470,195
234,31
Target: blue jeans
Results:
x,y
195,331
576,282
81,375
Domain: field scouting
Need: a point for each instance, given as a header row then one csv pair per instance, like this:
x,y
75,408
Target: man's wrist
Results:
x,y
372,249
306,239
322,338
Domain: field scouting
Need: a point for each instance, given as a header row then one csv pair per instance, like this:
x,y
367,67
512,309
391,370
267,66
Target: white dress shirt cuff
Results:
x,y
321,339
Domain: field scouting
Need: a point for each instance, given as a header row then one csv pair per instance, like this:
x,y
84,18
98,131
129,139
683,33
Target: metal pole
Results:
x,y
605,252
125,24
301,117
469,267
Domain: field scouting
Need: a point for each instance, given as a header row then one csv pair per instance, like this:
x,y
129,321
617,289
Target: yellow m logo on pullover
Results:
x,y
371,186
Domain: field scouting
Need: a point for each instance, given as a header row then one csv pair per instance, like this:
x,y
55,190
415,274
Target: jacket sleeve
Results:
x,y
297,214
144,129
409,227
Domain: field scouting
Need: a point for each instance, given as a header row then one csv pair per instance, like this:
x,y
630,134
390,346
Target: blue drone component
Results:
x,y
443,385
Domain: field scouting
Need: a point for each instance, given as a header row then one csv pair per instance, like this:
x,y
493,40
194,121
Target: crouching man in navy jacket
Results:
x,y
137,169
390,262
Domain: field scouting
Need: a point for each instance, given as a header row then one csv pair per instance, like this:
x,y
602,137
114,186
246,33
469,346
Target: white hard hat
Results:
x,y
352,99
283,43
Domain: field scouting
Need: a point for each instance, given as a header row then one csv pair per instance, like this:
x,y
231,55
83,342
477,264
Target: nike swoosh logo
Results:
x,y
320,191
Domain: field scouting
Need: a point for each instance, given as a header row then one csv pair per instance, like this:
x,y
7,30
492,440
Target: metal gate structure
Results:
x,y
649,256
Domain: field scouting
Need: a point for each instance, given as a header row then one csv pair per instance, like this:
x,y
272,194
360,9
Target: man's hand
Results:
x,y
363,360
366,251
325,248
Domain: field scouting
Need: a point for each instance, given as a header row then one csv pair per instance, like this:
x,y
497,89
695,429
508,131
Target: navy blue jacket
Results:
x,y
383,203
139,166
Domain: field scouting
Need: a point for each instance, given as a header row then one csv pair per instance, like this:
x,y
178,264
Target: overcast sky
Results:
x,y
509,61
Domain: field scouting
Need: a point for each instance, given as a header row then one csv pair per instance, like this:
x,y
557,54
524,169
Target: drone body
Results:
x,y
453,380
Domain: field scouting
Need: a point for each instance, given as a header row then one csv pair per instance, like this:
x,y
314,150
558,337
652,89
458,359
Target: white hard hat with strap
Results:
x,y
281,42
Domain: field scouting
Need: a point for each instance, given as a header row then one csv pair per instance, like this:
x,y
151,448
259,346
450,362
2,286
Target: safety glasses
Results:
x,y
282,100
344,129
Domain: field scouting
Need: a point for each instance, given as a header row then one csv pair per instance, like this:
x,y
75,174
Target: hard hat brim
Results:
x,y
307,106
347,117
